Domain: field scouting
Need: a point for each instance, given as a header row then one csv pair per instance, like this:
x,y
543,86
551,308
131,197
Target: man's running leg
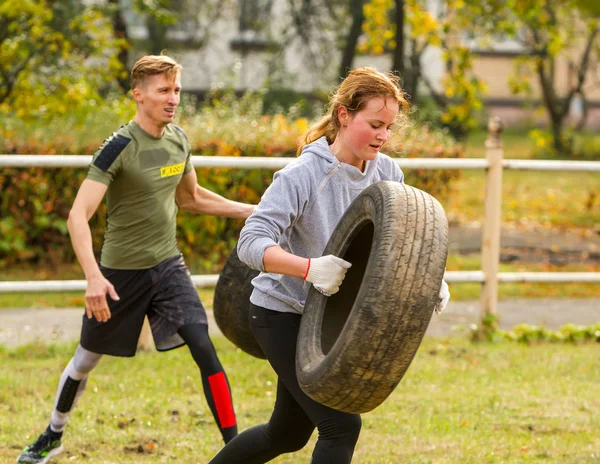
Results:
x,y
70,387
214,380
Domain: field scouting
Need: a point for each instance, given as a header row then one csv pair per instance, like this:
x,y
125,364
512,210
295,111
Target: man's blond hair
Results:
x,y
151,65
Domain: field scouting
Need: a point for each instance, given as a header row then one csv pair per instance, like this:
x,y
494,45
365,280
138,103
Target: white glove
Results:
x,y
444,298
326,273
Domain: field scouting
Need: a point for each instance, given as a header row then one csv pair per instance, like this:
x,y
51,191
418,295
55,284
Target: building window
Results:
x,y
254,16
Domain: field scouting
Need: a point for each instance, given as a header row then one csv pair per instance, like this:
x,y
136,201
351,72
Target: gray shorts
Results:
x,y
165,293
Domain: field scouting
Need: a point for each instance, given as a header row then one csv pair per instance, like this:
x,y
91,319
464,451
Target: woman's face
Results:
x,y
362,134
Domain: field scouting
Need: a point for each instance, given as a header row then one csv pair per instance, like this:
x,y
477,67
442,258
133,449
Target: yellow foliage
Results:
x,y
72,74
301,124
378,31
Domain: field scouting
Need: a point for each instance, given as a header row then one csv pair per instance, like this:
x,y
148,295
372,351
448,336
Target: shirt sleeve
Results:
x,y
107,161
189,166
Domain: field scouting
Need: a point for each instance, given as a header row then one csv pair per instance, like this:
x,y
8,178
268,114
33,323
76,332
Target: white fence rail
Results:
x,y
494,164
208,281
80,161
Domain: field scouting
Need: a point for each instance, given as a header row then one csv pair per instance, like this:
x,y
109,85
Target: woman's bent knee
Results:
x,y
346,428
288,441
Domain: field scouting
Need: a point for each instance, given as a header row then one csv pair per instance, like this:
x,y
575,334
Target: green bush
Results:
x,y
34,202
528,334
580,145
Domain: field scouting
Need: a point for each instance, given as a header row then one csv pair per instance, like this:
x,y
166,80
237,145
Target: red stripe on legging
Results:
x,y
222,399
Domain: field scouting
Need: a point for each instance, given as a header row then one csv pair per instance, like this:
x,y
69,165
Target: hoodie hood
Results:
x,y
320,148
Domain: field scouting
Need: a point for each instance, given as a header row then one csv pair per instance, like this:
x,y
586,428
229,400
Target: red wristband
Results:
x,y
307,269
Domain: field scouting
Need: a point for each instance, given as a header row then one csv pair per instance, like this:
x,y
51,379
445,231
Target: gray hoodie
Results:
x,y
299,212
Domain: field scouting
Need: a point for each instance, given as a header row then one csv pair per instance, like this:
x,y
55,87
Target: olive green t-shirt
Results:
x,y
142,173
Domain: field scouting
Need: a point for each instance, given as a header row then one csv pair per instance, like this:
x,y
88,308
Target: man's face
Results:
x,y
158,97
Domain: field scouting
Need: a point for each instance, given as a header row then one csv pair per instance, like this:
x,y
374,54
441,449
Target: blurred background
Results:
x,y
256,74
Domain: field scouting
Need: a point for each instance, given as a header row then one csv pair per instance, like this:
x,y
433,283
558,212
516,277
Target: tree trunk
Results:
x,y
413,74
358,17
158,35
557,136
120,29
554,106
398,62
585,112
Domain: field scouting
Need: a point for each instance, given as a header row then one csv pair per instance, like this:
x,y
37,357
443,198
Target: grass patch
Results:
x,y
516,142
531,199
519,145
41,300
459,403
34,272
471,291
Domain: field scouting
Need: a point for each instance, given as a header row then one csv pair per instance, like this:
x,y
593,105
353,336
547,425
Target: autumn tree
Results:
x,y
589,7
192,21
409,34
119,25
324,28
553,35
356,10
54,57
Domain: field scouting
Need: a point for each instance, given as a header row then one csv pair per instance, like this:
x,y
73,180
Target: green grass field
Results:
x,y
518,144
529,198
459,403
532,199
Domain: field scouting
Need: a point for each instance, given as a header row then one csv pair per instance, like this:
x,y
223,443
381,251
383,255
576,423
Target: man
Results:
x,y
145,170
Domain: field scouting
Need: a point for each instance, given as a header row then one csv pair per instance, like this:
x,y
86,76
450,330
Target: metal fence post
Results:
x,y
490,240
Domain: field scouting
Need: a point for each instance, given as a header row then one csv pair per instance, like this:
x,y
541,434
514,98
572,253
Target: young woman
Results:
x,y
285,238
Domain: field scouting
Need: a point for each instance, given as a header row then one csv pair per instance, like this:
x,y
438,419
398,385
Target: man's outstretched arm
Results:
x,y
192,197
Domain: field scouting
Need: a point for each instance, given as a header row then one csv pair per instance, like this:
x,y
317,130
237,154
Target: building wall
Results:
x,y
496,70
243,60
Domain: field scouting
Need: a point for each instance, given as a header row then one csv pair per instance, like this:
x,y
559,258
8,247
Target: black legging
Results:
x,y
214,380
295,415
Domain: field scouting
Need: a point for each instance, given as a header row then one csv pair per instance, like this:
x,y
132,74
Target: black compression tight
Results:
x,y
214,380
295,415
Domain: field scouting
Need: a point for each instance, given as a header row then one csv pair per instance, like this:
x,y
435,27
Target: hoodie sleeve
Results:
x,y
280,206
